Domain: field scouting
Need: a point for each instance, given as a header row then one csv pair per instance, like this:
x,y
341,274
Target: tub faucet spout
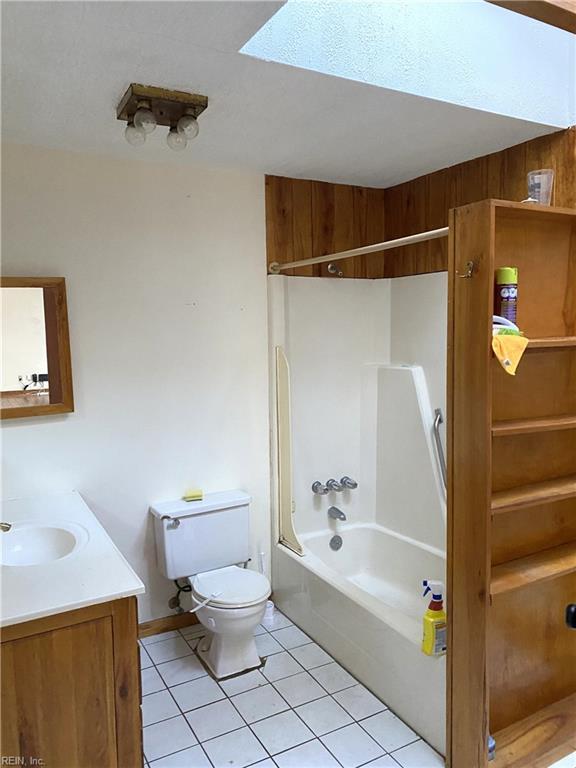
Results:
x,y
5,527
336,514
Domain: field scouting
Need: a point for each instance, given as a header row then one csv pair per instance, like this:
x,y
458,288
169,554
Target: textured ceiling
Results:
x,y
66,65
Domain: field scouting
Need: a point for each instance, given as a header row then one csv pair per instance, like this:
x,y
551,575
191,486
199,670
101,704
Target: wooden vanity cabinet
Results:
x,y
70,689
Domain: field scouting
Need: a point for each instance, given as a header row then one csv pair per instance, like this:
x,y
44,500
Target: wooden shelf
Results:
x,y
552,342
531,426
540,739
536,493
548,564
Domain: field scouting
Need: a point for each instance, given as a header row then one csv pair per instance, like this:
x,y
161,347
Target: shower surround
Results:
x,y
367,368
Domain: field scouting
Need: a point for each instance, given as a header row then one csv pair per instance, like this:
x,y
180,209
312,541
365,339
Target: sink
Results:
x,y
36,543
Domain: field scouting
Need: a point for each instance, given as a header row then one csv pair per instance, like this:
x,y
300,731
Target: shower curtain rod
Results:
x,y
275,268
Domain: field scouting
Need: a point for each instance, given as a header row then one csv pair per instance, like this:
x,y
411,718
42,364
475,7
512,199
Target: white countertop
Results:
x,y
94,573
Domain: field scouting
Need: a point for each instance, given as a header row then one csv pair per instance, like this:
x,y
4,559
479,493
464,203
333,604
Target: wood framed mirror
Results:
x,y
36,378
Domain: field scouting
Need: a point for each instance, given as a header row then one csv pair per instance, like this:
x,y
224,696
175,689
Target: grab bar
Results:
x,y
439,419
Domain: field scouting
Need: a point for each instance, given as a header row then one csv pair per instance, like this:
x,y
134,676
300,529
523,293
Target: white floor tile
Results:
x,y
214,720
194,630
352,746
151,639
245,682
324,715
188,758
266,645
291,637
173,648
333,677
260,630
197,693
419,755
389,731
268,763
359,702
158,706
281,732
311,655
193,642
168,736
151,681
313,754
145,660
258,703
382,762
299,689
280,665
276,621
181,670
566,762
235,750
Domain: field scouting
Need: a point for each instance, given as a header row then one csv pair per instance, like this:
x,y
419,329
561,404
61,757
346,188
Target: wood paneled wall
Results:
x,y
312,218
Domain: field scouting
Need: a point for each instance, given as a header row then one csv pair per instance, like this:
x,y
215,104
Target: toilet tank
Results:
x,y
197,536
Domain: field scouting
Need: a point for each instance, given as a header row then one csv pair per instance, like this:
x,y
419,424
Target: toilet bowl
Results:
x,y
236,604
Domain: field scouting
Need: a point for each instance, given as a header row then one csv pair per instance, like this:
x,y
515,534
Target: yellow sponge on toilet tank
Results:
x,y
193,494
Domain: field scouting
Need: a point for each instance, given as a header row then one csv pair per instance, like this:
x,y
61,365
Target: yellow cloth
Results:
x,y
509,350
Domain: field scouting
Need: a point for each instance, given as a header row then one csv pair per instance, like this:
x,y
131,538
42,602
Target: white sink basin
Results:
x,y
36,543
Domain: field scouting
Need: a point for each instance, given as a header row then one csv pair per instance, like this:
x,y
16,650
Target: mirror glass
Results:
x,y
36,373
24,375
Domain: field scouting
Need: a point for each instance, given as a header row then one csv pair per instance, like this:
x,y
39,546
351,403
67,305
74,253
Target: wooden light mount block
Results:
x,y
167,106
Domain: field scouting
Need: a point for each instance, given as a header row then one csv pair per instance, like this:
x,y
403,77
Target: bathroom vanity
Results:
x,y
70,681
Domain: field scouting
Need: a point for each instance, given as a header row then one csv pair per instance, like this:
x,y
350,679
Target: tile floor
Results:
x,y
301,710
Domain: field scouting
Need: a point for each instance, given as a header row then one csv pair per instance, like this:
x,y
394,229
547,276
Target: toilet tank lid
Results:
x,y
210,503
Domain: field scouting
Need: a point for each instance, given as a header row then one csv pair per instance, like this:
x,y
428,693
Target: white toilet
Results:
x,y
204,542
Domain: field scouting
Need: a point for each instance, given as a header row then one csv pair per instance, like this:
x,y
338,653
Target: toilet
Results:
x,y
205,543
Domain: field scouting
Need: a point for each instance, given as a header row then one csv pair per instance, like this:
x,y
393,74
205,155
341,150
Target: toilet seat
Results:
x,y
237,587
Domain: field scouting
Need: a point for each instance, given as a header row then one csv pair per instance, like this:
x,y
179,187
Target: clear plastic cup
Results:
x,y
540,185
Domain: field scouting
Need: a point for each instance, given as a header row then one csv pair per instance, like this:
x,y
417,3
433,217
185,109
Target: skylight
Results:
x,y
470,53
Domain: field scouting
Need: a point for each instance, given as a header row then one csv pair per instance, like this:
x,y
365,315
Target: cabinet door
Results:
x,y
58,697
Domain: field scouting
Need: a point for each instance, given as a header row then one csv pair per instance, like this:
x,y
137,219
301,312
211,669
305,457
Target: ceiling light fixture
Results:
x,y
188,126
176,140
144,107
144,117
133,135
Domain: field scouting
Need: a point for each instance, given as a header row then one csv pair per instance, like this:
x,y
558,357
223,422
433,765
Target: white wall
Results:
x,y
166,282
23,335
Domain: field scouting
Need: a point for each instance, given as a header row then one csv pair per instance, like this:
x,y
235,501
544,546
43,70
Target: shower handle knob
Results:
x,y
347,482
319,488
333,485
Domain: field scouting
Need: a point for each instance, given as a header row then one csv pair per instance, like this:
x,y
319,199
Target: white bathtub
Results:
x,y
363,604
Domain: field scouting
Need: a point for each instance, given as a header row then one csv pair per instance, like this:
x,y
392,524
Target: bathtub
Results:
x,y
363,604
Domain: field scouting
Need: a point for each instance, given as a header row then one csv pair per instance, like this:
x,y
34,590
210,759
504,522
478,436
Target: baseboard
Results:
x,y
166,623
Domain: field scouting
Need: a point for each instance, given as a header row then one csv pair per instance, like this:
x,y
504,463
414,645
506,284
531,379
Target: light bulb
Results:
x,y
176,141
134,136
188,126
144,119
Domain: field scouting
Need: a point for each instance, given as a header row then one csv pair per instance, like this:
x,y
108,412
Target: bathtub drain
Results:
x,y
336,542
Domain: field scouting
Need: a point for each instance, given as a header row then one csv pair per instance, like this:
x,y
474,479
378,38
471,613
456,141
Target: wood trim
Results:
x,y
57,347
166,624
310,218
557,13
469,473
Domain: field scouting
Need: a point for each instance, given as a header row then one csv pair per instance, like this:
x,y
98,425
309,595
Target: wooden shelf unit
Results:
x,y
534,494
547,564
530,426
511,491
